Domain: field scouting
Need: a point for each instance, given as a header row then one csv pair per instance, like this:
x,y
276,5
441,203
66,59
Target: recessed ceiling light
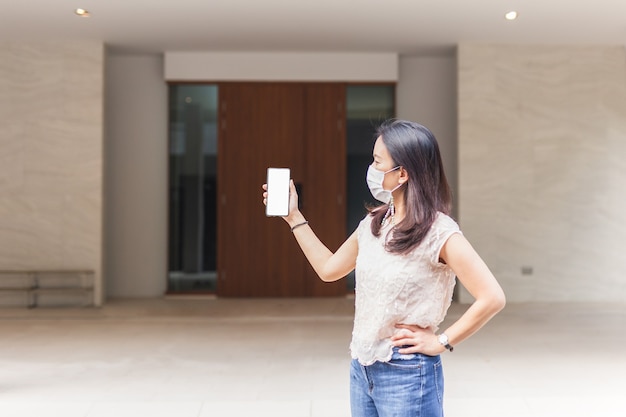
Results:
x,y
512,15
82,12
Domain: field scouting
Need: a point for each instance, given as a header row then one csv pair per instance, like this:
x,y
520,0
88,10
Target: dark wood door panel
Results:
x,y
325,173
293,125
260,125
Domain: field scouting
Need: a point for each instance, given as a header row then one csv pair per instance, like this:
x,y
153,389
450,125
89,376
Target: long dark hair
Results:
x,y
414,148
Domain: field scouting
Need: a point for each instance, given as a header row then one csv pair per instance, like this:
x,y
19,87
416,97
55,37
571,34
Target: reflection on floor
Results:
x,y
289,357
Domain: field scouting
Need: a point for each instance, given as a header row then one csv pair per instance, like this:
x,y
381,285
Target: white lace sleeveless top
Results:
x,y
391,288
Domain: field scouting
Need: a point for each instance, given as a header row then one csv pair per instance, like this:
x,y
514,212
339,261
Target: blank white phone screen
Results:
x,y
277,192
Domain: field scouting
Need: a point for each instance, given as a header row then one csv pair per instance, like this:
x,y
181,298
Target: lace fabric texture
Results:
x,y
391,288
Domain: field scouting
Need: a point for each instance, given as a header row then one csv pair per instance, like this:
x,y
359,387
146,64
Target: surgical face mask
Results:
x,y
375,180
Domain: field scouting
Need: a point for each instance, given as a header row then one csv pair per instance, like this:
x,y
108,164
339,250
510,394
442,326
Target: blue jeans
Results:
x,y
406,386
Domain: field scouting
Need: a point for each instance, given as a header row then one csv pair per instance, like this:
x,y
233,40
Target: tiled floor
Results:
x,y
289,357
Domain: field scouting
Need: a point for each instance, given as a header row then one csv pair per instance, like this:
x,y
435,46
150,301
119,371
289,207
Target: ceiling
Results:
x,y
402,26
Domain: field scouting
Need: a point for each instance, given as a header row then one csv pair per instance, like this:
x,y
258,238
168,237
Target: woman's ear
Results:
x,y
404,175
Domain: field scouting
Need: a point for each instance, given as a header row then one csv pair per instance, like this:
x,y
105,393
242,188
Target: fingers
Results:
x,y
408,345
404,337
264,194
407,341
419,340
293,198
409,349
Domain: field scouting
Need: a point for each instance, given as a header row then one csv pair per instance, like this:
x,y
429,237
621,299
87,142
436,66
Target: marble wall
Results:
x,y
542,168
51,161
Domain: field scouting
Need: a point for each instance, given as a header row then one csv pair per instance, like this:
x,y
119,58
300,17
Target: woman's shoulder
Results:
x,y
442,228
366,220
444,222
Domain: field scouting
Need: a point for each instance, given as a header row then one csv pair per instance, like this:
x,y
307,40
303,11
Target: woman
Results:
x,y
406,253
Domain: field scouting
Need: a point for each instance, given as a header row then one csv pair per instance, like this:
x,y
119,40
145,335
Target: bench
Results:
x,y
36,288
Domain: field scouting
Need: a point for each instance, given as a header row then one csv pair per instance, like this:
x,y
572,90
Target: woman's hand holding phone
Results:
x,y
294,216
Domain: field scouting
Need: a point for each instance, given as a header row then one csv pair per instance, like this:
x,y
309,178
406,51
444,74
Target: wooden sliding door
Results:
x,y
324,186
295,125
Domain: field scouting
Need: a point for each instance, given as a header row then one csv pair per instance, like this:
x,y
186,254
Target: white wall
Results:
x,y
542,140
136,168
426,93
51,132
280,66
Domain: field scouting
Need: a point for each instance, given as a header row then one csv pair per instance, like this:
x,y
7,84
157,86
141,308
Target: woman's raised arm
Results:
x,y
328,265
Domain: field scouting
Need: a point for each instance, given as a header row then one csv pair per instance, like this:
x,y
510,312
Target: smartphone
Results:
x,y
277,192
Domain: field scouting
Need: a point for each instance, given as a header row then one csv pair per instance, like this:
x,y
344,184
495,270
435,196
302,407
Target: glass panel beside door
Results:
x,y
367,106
192,201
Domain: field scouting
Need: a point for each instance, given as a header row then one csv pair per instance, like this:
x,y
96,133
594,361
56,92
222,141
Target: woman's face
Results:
x,y
383,162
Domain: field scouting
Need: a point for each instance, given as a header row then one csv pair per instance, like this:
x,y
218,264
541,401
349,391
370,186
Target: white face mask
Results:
x,y
375,180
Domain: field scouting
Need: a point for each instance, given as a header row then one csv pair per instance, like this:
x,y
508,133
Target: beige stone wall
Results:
x,y
51,130
542,166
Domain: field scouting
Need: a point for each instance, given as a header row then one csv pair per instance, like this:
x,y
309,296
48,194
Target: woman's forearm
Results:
x,y
329,266
476,316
